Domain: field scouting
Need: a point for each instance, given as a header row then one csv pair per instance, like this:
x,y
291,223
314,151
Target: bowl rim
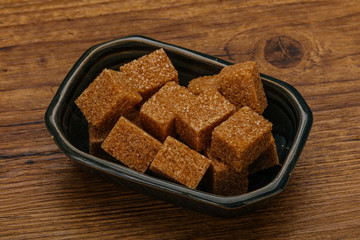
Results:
x,y
227,202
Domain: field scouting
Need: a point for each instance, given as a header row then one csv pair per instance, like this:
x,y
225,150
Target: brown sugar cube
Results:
x,y
198,85
158,114
178,163
241,139
225,181
241,85
150,72
106,98
195,123
96,138
267,159
131,145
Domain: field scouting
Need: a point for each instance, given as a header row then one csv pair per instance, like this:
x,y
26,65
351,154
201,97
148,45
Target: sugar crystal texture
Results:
x,y
178,163
198,85
241,139
241,85
150,72
269,158
131,145
196,121
202,116
223,180
106,99
158,114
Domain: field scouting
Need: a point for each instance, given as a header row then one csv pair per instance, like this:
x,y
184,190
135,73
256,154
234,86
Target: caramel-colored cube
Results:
x,y
178,163
241,85
198,85
131,145
150,72
158,114
241,139
106,99
267,159
96,138
195,123
225,181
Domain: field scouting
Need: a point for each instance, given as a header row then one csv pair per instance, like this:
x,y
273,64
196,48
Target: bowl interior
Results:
x,y
74,126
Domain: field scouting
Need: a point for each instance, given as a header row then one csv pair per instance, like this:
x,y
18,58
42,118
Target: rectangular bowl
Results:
x,y
287,110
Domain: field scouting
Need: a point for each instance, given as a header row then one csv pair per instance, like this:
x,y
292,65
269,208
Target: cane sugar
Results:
x,y
241,85
196,121
241,139
106,99
178,163
198,85
269,158
131,112
158,114
131,145
225,181
96,138
150,72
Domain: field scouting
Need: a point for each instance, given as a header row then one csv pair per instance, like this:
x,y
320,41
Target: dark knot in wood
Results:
x,y
283,51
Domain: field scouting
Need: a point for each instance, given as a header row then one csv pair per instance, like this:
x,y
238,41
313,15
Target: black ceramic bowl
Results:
x,y
287,110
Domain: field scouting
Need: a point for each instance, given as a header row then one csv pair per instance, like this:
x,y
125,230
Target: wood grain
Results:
x,y
313,45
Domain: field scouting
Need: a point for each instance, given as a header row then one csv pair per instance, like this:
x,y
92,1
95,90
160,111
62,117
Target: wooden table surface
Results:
x,y
313,45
